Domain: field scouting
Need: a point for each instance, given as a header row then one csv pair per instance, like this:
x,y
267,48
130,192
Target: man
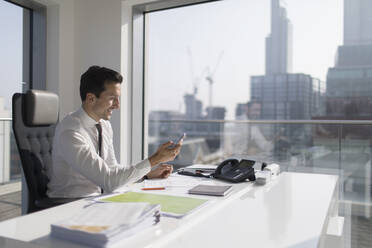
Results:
x,y
84,162
247,139
257,143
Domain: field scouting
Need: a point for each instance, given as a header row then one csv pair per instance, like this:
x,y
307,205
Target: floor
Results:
x,y
10,200
361,232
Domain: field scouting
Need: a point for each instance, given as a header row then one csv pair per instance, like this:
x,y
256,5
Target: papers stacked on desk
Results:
x,y
102,224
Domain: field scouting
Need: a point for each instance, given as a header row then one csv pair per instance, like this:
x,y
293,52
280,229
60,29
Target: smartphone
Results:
x,y
178,140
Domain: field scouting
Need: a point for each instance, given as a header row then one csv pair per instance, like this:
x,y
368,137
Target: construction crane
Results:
x,y
210,79
206,71
195,79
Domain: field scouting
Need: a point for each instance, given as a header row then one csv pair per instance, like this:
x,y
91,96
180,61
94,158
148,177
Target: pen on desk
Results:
x,y
157,188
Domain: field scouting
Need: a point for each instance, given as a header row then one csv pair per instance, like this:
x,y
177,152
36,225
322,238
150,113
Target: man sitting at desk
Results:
x,y
247,138
84,162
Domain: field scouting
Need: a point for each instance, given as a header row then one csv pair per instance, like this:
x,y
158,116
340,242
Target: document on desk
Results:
x,y
172,206
202,166
102,224
171,182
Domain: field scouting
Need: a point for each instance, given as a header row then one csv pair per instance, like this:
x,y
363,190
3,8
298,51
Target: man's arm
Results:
x,y
260,140
78,154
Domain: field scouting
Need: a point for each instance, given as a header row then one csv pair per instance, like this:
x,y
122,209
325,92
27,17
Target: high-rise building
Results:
x,y
284,95
279,42
240,110
357,22
288,96
349,82
194,107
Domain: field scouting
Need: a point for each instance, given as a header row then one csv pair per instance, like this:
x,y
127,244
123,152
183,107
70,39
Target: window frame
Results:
x,y
34,44
34,56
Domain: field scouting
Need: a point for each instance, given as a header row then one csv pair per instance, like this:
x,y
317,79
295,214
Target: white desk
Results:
x,y
292,211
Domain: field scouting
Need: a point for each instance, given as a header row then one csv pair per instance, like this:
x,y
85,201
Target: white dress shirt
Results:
x,y
78,170
246,139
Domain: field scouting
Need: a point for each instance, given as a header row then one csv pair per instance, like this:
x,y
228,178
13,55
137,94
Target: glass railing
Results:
x,y
342,148
10,164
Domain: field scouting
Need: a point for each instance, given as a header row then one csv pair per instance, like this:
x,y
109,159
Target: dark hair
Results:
x,y
95,78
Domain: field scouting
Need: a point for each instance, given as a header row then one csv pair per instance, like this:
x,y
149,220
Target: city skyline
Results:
x,y
238,28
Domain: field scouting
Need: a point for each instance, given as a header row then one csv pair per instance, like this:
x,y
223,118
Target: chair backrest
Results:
x,y
35,115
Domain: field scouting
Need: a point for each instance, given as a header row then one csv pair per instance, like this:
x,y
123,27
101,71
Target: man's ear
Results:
x,y
91,98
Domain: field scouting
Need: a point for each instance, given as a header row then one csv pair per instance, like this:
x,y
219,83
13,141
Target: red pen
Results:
x,y
158,188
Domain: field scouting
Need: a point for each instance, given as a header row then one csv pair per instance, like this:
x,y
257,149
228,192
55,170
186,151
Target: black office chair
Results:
x,y
35,115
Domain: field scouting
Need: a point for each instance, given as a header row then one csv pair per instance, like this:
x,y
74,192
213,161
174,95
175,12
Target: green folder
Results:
x,y
176,205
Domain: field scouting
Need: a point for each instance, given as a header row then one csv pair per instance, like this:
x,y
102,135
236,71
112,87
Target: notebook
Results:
x,y
216,190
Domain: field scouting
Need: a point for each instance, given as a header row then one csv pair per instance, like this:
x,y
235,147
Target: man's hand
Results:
x,y
165,153
162,171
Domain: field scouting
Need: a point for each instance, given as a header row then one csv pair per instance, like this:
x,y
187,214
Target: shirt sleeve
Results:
x,y
78,154
260,140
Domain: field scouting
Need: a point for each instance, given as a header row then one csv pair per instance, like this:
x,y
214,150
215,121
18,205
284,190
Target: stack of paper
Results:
x,y
102,224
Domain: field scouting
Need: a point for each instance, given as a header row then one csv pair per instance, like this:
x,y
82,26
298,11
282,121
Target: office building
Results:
x,y
194,107
240,110
288,96
349,82
349,92
357,22
284,95
279,42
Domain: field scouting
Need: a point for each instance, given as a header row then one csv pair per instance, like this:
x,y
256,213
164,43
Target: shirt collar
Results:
x,y
86,119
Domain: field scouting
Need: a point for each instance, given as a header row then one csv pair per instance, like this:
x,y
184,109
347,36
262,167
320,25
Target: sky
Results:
x,y
237,29
11,28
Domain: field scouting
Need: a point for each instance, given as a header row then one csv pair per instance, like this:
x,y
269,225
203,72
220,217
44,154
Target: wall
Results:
x,y
60,53
97,42
81,33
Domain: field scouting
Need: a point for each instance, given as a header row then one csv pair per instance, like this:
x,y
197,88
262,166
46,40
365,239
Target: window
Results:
x,y
11,50
12,21
22,66
205,61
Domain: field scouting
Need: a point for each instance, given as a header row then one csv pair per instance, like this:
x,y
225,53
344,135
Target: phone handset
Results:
x,y
235,171
178,140
223,165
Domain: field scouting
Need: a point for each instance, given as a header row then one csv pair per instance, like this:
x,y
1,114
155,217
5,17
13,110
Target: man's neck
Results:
x,y
90,113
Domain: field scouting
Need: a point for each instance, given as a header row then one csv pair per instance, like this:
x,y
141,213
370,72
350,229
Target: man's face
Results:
x,y
108,101
254,111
